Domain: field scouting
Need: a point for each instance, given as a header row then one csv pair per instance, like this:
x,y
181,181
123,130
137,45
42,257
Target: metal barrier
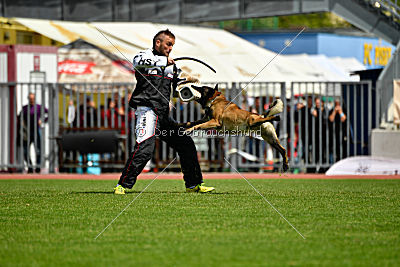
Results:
x,y
325,137
313,134
97,117
25,135
35,118
31,134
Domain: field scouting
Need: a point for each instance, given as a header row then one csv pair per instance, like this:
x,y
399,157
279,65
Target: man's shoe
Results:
x,y
200,189
119,190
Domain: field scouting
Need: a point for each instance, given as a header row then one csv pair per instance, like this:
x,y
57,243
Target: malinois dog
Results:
x,y
223,114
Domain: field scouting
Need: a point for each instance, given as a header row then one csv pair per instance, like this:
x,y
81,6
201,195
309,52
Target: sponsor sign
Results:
x,y
75,67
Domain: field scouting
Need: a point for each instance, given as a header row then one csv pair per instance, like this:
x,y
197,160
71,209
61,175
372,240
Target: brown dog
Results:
x,y
223,114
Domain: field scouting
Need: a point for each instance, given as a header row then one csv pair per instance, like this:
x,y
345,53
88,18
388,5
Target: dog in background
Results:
x,y
223,114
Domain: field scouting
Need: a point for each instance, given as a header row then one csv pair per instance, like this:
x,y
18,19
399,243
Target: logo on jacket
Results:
x,y
145,62
141,132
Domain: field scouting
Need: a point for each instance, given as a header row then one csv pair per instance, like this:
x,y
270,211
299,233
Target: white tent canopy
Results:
x,y
330,69
235,59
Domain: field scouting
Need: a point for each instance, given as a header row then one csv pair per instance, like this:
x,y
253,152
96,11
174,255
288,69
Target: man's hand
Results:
x,y
314,113
300,105
338,109
170,61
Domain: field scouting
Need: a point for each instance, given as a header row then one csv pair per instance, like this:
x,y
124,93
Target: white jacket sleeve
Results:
x,y
146,59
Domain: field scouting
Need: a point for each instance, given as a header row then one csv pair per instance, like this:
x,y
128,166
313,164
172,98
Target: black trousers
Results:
x,y
168,132
38,146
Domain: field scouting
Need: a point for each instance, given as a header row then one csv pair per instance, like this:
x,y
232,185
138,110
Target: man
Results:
x,y
303,118
30,120
87,114
154,73
320,117
338,132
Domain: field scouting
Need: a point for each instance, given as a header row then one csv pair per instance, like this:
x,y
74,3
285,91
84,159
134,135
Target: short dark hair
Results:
x,y
160,33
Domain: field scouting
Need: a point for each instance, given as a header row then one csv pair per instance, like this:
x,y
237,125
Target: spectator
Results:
x,y
31,120
319,133
87,114
338,132
115,117
112,114
303,119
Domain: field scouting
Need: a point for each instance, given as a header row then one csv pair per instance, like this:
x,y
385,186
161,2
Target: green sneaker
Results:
x,y
119,190
200,189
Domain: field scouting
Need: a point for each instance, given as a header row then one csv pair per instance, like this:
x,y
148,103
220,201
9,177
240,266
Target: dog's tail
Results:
x,y
275,108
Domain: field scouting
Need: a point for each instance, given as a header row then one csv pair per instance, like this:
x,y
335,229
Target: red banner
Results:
x,y
75,67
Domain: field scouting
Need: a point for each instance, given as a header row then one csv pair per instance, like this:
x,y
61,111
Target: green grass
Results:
x,y
345,222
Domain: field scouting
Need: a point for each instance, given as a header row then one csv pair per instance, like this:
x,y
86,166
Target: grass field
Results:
x,y
345,222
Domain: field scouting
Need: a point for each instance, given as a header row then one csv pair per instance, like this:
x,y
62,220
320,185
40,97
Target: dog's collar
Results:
x,y
210,103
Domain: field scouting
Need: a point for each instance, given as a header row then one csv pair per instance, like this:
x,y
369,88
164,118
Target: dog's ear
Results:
x,y
216,87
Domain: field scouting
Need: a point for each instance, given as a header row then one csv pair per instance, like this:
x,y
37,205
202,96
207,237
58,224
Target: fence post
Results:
x,y
284,115
12,115
292,133
51,121
234,139
53,126
369,85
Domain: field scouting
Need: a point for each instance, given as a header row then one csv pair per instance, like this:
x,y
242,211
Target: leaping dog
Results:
x,y
223,114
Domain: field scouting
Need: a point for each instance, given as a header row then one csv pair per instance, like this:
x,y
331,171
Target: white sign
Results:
x,y
365,165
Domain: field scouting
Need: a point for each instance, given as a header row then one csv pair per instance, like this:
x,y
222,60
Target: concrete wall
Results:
x,y
386,143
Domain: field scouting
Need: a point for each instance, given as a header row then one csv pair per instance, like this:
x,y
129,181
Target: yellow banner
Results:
x,y
381,55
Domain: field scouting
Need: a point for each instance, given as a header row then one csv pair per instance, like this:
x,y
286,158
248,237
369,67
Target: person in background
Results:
x,y
87,113
318,112
31,121
338,132
303,120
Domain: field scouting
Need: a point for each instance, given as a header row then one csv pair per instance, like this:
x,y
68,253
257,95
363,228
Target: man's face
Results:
x,y
318,103
309,101
31,98
164,46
